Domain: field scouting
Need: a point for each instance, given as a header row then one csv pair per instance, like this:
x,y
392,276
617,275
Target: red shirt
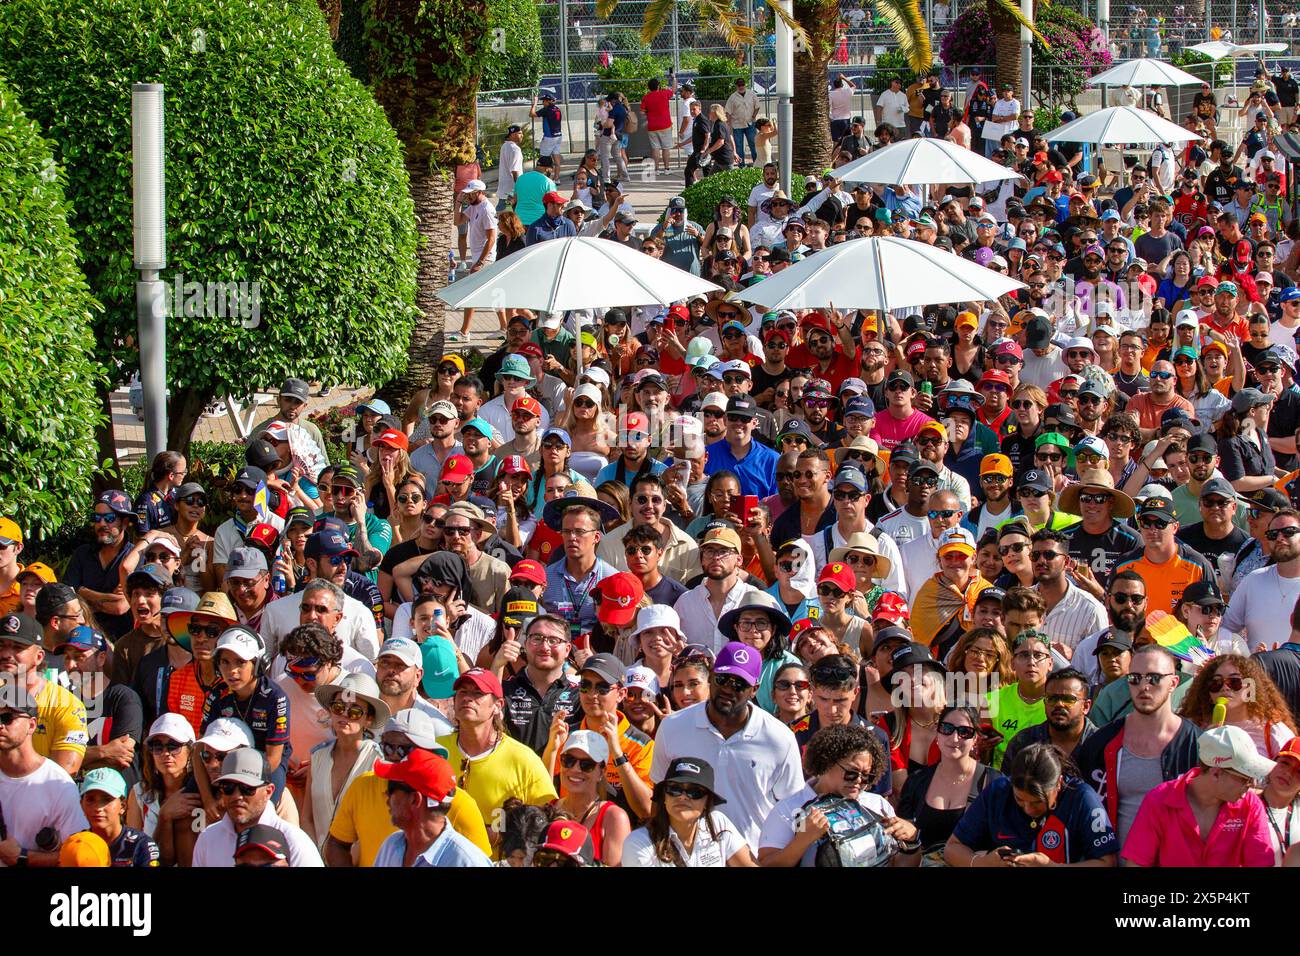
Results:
x,y
655,106
545,542
1191,211
841,367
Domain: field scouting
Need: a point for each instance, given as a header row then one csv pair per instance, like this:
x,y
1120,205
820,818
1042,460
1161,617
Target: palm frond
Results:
x,y
1012,9
655,17
907,23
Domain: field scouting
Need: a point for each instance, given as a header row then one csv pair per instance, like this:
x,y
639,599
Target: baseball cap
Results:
x,y
173,726
617,597
1203,594
106,780
721,536
481,679
588,741
528,570
153,576
261,836
741,660
956,539
84,638
10,533
1033,478
226,734
457,468
1158,504
22,629
241,642
1230,748
428,774
996,464
245,563
1220,486
84,849
605,666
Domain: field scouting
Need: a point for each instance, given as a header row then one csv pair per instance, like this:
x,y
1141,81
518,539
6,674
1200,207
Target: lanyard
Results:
x,y
1283,833
576,600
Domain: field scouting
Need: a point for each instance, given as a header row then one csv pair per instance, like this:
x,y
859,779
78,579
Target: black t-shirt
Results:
x,y
699,133
84,570
1219,184
1101,552
763,379
1288,90
528,716
725,154
855,146
118,713
1283,422
1194,536
854,213
667,591
1283,666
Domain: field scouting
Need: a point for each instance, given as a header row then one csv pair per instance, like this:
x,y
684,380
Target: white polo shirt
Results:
x,y
753,770
639,849
215,846
356,629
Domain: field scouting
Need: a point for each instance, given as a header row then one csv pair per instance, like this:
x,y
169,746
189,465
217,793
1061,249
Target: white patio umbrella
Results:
x,y
574,273
1119,126
1144,72
1218,50
919,162
879,273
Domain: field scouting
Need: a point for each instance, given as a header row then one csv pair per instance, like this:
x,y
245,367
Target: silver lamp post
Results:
x,y
148,179
785,95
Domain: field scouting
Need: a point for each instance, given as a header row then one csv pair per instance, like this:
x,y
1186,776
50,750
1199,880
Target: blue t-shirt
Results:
x,y
619,115
550,121
1076,829
611,473
756,472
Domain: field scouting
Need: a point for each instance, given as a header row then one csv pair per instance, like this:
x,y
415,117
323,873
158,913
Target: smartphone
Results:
x,y
741,507
1006,853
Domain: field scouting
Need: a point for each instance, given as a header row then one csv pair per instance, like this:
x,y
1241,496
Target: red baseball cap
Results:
x,y
481,678
551,197
392,438
637,422
514,465
1207,282
892,608
456,468
840,575
617,597
423,771
528,404
995,375
530,571
567,837
776,334
262,535
679,312
531,349
817,320
1053,177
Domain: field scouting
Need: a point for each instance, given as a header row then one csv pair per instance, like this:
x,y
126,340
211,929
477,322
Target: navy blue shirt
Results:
x,y
153,509
549,227
85,571
1076,829
133,848
550,116
266,713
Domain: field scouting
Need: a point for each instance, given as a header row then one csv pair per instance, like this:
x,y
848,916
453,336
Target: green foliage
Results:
x,y
1047,118
492,132
49,406
1198,64
892,64
628,74
282,171
515,58
702,198
717,78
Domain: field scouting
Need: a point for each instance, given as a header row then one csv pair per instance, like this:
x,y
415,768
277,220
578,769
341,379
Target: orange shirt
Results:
x,y
1147,412
1238,327
1165,582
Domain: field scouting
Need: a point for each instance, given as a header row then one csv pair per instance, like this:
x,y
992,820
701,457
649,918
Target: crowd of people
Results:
x,y
1005,583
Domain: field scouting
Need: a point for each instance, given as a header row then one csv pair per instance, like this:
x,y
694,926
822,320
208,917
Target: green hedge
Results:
x,y
516,59
49,405
717,78
702,198
281,170
628,74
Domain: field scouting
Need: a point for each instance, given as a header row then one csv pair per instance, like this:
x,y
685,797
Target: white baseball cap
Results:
x,y
405,650
587,390
474,186
714,400
596,374
1230,748
241,641
1187,317
420,727
643,677
172,726
227,733
590,743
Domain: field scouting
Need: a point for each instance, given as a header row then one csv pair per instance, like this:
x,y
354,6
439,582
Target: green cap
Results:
x,y
105,779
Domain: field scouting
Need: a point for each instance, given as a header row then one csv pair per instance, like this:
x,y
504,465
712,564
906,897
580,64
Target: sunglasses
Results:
x,y
786,684
165,746
413,498
103,519
731,682
644,550
568,762
195,501
943,514
395,753
685,790
848,495
1161,376
948,728
853,775
1159,524
1065,700
1151,680
341,708
1123,599
1217,684
587,687
229,788
996,387
1048,455
1289,532
1005,549
152,557
1046,557
205,630
862,560
830,592
1021,404
1030,493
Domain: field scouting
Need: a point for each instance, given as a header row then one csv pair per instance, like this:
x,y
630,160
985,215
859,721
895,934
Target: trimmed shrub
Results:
x,y
518,62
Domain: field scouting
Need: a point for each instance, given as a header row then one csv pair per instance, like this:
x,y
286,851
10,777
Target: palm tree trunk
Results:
x,y
333,11
1006,41
811,136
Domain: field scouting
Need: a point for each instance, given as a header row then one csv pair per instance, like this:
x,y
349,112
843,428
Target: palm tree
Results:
x,y
1006,18
425,58
814,23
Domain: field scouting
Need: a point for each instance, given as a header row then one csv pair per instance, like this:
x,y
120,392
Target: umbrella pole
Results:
x,y
577,352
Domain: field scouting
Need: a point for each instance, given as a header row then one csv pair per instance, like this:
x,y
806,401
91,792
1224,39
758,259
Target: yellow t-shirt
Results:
x,y
363,817
60,721
511,770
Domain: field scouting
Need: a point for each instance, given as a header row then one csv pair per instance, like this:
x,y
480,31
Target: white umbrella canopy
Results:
x,y
1145,72
1121,126
879,273
920,162
574,273
1218,50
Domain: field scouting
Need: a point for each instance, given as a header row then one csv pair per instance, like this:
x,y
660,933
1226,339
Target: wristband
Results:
x,y
621,759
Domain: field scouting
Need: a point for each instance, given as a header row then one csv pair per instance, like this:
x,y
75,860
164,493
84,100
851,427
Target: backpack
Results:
x,y
857,836
633,121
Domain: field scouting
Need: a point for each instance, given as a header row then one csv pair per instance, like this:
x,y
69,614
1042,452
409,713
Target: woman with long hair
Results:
x,y
356,712
791,692
391,470
586,179
196,544
582,761
616,494
917,680
584,420
685,827
842,761
979,107
1245,458
1193,384
408,517
1252,700
720,490
158,805
979,662
692,668
728,213
510,236
1176,287
719,150
935,797
156,503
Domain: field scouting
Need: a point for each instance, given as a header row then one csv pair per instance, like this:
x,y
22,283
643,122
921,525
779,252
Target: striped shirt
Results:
x,y
1075,616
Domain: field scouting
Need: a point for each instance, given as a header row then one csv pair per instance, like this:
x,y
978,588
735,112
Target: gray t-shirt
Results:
x,y
1138,776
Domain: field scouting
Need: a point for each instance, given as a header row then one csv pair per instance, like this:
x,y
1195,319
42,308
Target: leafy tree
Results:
x,y
281,171
48,408
515,45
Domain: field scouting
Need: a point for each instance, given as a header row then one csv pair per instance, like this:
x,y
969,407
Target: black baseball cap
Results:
x,y
20,629
1116,640
1033,478
1203,594
260,453
250,476
739,405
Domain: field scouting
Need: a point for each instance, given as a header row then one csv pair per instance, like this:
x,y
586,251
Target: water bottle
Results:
x,y
279,582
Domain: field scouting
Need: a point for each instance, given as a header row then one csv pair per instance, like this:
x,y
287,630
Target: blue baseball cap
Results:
x,y
376,405
1291,294
559,433
327,542
84,638
860,405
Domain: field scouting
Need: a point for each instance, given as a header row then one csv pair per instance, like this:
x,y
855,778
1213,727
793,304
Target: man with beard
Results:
x,y
1126,609
1102,537
1224,319
773,370
1092,287
820,354
901,422
1147,407
813,510
737,382
1090,408
935,362
1067,725
1156,744
722,589
399,672
94,568
995,386
1258,608
1044,363
875,359
428,458
245,790
1215,533
932,443
816,404
518,329
728,729
910,521
678,551
1072,613
543,693
760,194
